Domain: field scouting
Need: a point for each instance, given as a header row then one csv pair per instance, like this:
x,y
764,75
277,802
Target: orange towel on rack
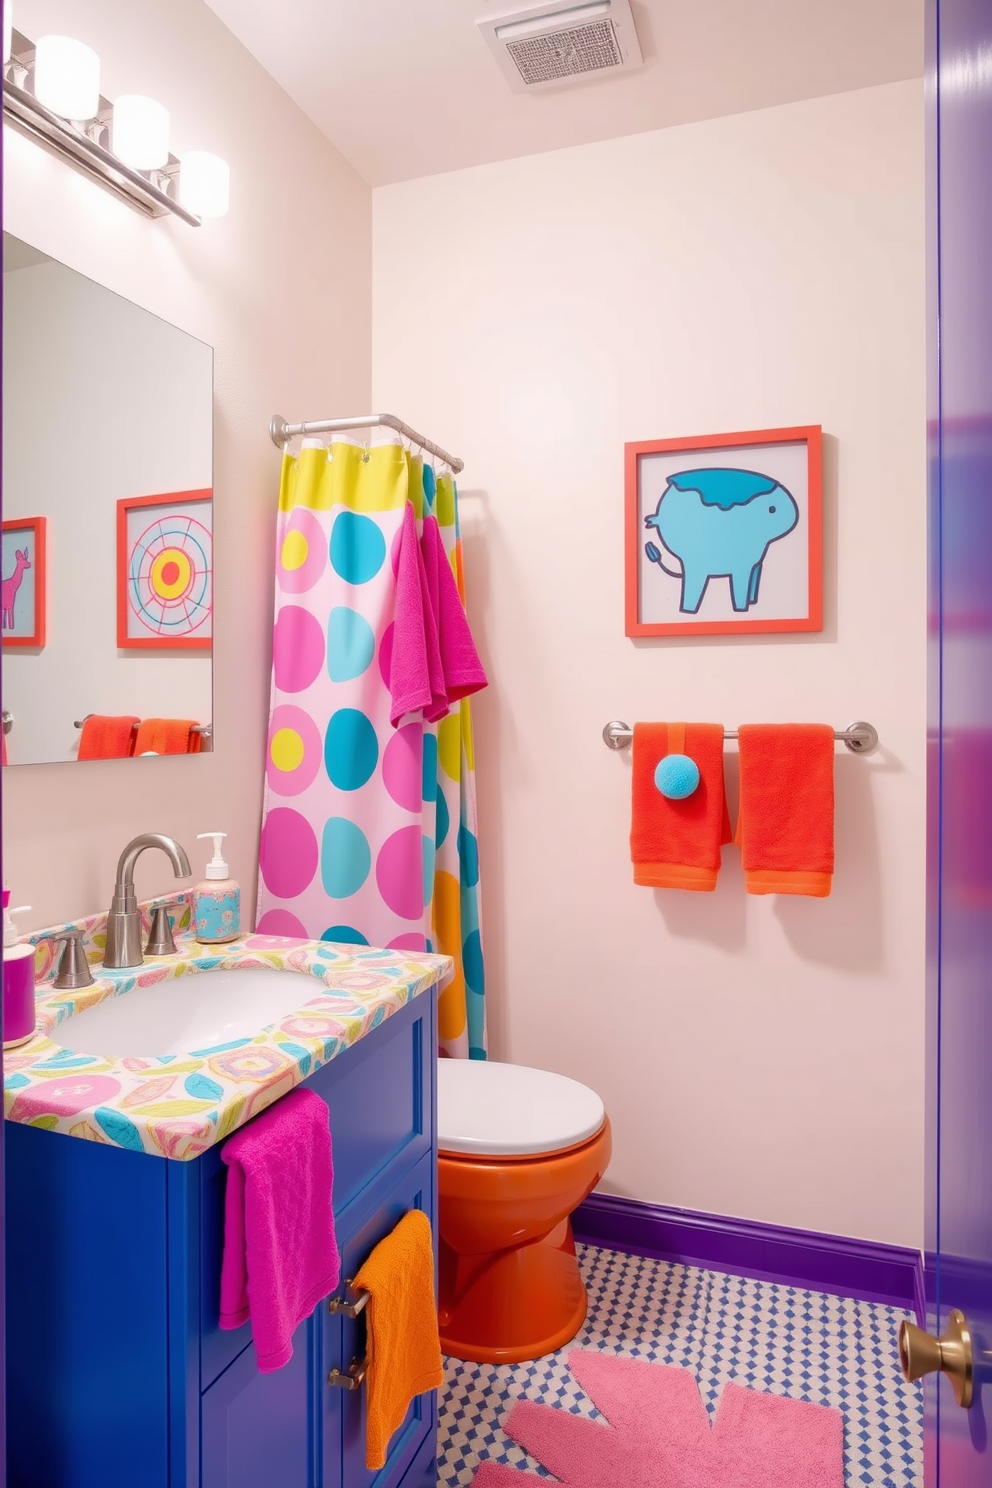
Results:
x,y
403,1347
786,822
676,844
167,736
104,737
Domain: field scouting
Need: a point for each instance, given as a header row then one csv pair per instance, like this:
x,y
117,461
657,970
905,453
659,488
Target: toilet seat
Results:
x,y
511,1110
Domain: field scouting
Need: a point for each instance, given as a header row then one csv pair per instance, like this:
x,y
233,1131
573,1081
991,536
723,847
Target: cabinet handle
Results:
x,y
353,1379
350,1309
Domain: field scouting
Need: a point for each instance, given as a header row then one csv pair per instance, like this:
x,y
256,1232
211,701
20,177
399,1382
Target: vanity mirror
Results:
x,y
107,505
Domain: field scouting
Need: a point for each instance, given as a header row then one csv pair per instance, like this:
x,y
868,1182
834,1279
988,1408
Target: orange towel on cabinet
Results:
x,y
676,844
403,1347
167,736
786,822
105,737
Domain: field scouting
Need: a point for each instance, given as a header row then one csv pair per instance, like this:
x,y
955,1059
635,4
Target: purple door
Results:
x,y
959,1201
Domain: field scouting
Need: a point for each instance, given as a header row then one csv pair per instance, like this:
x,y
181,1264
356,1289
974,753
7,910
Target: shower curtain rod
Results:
x,y
282,433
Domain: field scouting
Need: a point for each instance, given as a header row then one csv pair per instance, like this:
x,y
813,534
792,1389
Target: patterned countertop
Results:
x,y
178,1105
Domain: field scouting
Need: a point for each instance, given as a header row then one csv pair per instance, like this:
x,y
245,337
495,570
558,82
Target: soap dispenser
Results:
x,y
217,899
18,980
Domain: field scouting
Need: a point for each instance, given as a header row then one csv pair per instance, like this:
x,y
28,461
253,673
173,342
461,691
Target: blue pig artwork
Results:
x,y
719,523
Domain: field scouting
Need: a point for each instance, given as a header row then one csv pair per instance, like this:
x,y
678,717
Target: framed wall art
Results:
x,y
165,576
724,534
24,593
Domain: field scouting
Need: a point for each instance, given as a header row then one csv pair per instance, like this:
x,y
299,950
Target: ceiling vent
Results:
x,y
560,42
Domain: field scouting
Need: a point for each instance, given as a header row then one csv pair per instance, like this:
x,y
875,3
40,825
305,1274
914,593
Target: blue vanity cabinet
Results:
x,y
118,1374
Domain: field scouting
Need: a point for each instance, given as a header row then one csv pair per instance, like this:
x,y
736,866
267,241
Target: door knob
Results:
x,y
920,1354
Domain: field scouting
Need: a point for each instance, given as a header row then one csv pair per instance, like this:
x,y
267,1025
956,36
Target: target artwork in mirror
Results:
x,y
165,571
107,450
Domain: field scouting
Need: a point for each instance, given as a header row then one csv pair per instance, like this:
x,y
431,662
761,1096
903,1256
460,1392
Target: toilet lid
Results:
x,y
509,1110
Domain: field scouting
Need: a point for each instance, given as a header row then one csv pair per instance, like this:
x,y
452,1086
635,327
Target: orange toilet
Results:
x,y
519,1149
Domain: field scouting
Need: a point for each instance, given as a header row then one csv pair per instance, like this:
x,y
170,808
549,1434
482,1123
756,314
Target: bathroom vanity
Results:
x,y
118,1374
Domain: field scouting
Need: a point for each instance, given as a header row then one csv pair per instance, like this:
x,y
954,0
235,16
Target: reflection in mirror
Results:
x,y
107,568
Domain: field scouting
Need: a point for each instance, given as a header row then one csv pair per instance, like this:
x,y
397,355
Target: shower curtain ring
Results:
x,y
365,453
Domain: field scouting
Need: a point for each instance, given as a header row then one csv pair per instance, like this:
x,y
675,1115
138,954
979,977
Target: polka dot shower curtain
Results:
x,y
369,832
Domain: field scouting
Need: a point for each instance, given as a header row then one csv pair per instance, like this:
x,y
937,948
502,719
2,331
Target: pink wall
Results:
x,y
758,1057
281,289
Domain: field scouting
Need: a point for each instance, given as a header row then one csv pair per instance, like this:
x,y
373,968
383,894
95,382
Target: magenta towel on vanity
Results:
x,y
463,671
416,679
280,1254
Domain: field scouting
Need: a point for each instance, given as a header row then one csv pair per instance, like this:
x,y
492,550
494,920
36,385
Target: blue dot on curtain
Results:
x,y
430,767
350,644
345,858
443,820
468,854
344,935
428,856
358,547
430,489
351,749
473,963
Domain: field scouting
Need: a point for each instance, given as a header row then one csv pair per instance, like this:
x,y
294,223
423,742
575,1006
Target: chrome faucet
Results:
x,y
124,921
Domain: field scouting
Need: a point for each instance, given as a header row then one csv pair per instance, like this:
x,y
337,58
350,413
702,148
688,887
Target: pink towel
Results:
x,y
416,679
463,671
280,1254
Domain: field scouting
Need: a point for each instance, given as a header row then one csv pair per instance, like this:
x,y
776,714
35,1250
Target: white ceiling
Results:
x,y
407,88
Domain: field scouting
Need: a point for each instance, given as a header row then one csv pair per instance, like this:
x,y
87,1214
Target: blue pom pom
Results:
x,y
676,776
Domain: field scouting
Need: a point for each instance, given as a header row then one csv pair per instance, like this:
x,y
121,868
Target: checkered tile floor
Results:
x,y
808,1345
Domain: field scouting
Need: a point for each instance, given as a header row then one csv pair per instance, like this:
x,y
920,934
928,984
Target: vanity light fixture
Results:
x,y
67,77
51,94
140,134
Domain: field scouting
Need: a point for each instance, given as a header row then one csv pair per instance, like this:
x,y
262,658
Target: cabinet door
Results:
x,y
345,1341
260,1430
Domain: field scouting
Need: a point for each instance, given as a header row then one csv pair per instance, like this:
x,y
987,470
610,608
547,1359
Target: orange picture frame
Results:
x,y
158,609
717,584
34,550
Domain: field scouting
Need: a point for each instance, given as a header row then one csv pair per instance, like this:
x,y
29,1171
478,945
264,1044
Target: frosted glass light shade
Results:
x,y
141,132
67,77
204,184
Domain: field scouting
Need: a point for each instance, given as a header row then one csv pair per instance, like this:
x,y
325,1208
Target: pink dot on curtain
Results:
x,y
410,942
402,766
279,922
399,872
302,555
294,754
287,853
297,648
386,653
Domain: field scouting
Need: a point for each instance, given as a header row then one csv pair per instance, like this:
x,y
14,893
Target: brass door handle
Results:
x,y
921,1354
351,1379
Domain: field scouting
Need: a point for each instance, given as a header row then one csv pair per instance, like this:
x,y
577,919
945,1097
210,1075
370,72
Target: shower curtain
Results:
x,y
369,832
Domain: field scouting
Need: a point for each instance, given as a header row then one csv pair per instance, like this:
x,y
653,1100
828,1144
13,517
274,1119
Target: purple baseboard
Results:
x,y
744,1247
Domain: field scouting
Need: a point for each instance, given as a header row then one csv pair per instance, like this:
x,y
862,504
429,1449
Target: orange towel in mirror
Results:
x,y
676,844
106,737
167,736
786,822
403,1346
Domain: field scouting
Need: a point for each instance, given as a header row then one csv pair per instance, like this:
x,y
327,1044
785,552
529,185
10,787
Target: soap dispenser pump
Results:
x,y
216,899
18,980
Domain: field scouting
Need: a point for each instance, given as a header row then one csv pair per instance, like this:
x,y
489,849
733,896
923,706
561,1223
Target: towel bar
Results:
x,y
350,1309
860,737
198,728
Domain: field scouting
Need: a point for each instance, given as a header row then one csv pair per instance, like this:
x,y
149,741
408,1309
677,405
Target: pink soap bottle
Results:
x,y
18,980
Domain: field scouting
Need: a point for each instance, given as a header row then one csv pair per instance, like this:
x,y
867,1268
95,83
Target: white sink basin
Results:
x,y
187,1013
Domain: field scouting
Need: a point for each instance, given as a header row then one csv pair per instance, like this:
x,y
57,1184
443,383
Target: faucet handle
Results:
x,y
73,969
160,941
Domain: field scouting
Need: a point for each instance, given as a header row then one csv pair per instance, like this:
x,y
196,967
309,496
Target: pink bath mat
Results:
x,y
659,1435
